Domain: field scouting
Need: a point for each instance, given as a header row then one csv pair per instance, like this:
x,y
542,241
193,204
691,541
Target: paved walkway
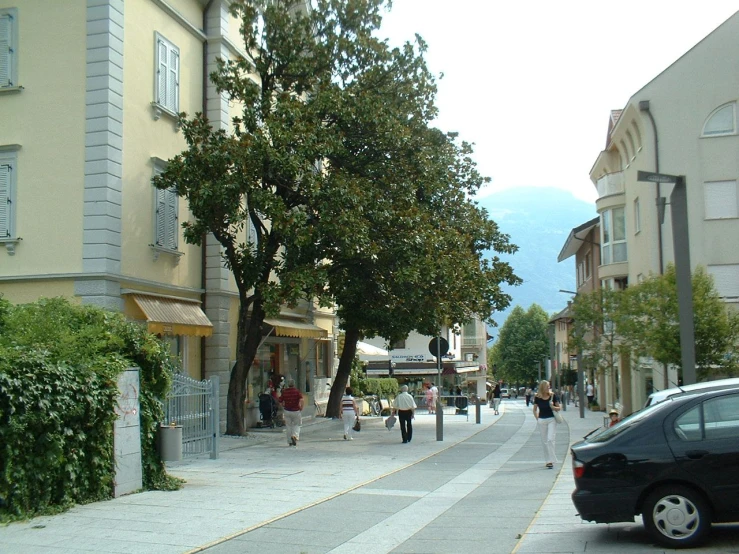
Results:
x,y
484,488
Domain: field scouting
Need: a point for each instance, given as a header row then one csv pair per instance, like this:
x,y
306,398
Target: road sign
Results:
x,y
443,345
655,177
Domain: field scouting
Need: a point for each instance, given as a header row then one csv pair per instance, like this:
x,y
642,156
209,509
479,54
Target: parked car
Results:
x,y
505,392
661,395
675,463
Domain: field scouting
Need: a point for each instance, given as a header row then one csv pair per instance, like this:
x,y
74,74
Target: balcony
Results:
x,y
611,183
473,342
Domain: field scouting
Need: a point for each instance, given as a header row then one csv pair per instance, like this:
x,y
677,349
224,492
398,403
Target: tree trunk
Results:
x,y
248,338
342,376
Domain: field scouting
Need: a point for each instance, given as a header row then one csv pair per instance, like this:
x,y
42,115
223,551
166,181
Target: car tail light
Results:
x,y
578,468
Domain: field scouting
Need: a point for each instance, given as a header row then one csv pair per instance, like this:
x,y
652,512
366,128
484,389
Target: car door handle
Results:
x,y
696,454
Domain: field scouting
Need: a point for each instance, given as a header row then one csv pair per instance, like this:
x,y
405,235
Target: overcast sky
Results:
x,y
532,83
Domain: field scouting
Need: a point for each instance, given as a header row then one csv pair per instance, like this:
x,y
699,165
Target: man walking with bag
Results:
x,y
404,406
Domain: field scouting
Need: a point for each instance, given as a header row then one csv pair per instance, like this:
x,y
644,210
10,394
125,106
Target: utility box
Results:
x,y
170,443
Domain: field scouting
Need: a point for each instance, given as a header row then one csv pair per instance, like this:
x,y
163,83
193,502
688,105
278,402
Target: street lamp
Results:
x,y
681,248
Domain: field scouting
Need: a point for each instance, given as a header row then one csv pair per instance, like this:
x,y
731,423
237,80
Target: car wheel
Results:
x,y
676,517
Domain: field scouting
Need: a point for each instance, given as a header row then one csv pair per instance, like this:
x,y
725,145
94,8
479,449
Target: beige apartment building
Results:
x,y
89,92
683,122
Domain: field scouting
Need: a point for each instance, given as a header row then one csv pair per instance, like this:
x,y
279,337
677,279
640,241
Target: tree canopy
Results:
x,y
522,345
350,195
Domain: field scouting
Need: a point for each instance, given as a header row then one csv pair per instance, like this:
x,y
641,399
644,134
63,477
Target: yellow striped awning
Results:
x,y
170,316
287,328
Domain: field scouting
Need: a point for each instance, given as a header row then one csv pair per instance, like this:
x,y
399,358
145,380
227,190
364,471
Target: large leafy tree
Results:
x,y
522,344
653,326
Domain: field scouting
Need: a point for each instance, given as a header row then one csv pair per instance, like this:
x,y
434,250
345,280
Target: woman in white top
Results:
x,y
349,412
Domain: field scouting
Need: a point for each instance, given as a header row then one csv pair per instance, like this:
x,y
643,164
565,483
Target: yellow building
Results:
x,y
89,92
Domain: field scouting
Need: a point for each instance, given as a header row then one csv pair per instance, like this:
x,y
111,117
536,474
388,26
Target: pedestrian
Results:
x,y
528,396
545,402
292,406
496,399
405,406
590,393
613,415
349,413
430,403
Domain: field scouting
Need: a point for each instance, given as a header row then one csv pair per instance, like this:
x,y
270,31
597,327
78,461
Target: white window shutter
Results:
x,y
6,53
162,71
725,279
721,200
5,205
171,219
173,81
160,218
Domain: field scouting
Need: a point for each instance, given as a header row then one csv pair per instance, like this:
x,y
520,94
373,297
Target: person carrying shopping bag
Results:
x,y
405,406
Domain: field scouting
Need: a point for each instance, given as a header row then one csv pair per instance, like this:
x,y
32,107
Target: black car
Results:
x,y
676,463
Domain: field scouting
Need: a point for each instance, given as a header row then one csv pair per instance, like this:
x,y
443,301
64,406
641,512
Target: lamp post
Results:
x,y
681,248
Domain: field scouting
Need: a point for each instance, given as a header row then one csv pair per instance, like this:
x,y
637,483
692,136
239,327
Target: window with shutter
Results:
x,y
7,166
8,47
166,228
167,76
721,200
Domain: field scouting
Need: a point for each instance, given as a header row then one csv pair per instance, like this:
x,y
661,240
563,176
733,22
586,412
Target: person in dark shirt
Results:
x,y
292,404
545,402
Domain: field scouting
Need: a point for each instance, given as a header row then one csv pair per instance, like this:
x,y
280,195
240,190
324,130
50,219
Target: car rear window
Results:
x,y
625,424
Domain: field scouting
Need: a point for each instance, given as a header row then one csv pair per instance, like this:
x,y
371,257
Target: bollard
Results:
x,y
563,401
477,409
439,421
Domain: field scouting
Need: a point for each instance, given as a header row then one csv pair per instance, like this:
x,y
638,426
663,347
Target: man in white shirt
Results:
x,y
404,406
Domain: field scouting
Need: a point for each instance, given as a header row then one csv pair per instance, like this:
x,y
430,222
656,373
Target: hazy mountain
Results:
x,y
538,220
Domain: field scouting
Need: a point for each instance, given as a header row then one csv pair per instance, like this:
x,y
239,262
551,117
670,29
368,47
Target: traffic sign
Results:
x,y
442,343
655,177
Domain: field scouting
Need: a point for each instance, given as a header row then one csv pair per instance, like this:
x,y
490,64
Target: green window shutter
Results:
x,y
170,219
162,71
160,218
5,202
6,51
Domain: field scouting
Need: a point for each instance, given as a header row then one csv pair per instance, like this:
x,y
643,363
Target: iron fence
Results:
x,y
194,405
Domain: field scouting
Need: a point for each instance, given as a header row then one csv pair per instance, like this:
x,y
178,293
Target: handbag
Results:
x,y
357,426
390,422
557,416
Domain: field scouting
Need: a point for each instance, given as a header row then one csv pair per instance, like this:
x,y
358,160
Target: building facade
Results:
x,y
683,122
89,96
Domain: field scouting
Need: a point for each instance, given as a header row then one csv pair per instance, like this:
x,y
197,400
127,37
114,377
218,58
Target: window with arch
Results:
x,y
721,122
613,236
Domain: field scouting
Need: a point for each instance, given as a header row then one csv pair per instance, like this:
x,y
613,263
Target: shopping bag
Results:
x,y
390,422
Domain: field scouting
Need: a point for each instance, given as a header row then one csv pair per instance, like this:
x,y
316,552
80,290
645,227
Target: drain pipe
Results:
x,y
644,107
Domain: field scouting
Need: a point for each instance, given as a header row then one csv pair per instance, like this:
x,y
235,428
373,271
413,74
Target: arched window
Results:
x,y
721,121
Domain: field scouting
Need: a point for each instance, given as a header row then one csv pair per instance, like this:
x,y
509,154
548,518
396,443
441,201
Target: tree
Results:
x,y
320,166
653,326
522,344
598,318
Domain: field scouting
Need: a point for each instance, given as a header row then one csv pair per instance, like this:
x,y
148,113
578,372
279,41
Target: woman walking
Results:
x,y
496,399
349,413
545,402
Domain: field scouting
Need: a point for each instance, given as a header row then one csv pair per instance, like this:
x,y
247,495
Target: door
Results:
x,y
705,443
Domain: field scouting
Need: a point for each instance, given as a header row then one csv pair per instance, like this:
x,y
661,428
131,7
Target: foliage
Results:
x,y
522,344
642,321
384,388
58,368
346,193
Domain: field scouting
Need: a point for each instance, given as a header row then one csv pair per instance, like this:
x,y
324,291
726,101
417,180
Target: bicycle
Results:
x,y
374,405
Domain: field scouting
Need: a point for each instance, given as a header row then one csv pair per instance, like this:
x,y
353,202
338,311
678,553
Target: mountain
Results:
x,y
538,220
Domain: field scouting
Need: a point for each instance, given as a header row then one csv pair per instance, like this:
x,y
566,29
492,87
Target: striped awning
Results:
x,y
171,316
287,328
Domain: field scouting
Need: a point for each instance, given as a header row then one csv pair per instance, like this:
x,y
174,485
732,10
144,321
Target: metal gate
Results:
x,y
194,405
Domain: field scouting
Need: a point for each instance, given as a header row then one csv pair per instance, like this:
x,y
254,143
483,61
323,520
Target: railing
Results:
x,y
468,342
194,405
611,183
451,405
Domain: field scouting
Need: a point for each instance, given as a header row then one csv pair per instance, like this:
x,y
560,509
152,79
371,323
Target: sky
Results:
x,y
532,83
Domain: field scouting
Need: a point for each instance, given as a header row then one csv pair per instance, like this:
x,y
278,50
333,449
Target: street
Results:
x,y
484,488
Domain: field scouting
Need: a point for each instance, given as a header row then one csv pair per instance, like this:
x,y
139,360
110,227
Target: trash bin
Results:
x,y
170,443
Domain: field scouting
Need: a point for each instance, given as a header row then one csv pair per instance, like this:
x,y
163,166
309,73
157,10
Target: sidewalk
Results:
x,y
483,489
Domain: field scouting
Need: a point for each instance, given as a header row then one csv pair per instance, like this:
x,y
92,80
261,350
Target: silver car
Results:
x,y
661,395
